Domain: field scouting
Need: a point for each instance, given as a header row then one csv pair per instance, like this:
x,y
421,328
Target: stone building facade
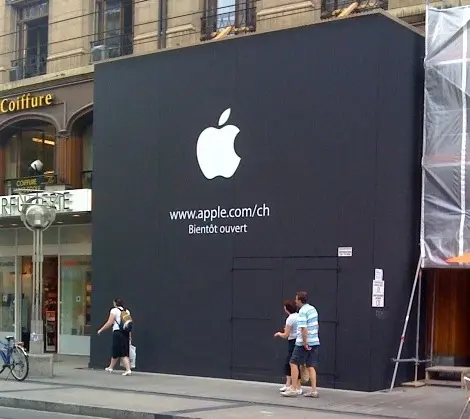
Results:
x,y
71,33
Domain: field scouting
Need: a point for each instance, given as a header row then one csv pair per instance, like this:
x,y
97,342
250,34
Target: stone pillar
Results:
x,y
7,40
2,169
146,16
184,22
70,34
280,14
69,156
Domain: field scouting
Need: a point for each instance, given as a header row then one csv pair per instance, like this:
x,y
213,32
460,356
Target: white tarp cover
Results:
x,y
445,229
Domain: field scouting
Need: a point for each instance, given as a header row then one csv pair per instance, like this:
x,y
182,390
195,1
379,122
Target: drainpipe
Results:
x,y
162,23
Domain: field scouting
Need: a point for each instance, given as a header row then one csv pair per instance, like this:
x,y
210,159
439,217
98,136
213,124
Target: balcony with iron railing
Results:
x,y
37,65
342,8
221,22
110,47
30,66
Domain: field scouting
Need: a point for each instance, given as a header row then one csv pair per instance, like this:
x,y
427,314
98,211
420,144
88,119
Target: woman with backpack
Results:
x,y
121,321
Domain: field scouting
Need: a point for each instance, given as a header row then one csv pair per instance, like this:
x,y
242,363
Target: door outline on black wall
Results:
x,y
259,286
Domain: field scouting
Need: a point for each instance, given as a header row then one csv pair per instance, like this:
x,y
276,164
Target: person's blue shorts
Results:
x,y
300,356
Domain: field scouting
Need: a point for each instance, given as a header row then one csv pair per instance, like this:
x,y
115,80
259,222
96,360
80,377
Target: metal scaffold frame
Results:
x,y
440,55
418,275
417,283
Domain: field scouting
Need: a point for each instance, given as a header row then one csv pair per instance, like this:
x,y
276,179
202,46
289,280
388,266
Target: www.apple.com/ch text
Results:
x,y
211,214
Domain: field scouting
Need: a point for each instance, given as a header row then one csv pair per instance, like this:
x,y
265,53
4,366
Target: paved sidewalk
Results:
x,y
77,390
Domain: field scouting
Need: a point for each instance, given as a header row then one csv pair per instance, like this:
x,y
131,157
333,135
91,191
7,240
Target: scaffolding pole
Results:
x,y
418,274
416,283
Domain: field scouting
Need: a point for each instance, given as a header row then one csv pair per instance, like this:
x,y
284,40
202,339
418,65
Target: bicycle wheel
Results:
x,y
19,358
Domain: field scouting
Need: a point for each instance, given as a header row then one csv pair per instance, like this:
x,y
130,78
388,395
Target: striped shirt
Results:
x,y
308,317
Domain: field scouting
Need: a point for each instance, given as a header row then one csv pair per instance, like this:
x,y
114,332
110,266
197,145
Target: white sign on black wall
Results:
x,y
217,158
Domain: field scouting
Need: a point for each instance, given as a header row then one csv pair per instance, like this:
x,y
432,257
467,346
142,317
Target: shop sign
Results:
x,y
36,182
25,102
76,200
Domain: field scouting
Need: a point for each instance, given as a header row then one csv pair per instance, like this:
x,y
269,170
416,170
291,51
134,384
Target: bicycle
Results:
x,y
13,354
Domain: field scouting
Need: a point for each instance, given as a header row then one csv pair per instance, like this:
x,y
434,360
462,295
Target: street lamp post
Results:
x,y
37,215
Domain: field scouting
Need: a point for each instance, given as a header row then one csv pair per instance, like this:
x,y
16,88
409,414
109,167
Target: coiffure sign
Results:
x,y
25,102
78,200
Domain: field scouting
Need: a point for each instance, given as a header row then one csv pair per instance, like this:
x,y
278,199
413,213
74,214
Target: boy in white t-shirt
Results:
x,y
289,333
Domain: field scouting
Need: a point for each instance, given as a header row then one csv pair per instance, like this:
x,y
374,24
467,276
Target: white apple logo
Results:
x,y
215,149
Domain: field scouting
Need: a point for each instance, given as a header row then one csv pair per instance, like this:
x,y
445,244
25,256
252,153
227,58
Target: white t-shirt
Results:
x,y
117,317
292,322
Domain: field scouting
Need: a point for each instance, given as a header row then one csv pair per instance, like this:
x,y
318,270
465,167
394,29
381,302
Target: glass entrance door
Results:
x,y
50,298
7,296
75,305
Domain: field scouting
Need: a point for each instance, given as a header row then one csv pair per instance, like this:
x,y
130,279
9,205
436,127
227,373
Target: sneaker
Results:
x,y
290,393
110,370
312,394
283,388
299,391
127,373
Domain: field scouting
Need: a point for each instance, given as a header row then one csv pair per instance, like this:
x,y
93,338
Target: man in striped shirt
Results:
x,y
306,346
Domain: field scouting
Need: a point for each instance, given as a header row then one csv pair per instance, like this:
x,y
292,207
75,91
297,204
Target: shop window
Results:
x,y
26,145
7,237
33,33
50,299
7,295
75,234
75,304
50,284
50,237
114,29
228,16
88,157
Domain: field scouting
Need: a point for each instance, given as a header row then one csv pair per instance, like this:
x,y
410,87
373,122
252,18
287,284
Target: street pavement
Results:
x,y
77,390
8,413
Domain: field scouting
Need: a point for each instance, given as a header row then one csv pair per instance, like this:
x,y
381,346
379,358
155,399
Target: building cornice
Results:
x,y
48,81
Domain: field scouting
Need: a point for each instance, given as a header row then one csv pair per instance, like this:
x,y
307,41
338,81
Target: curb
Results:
x,y
82,410
111,413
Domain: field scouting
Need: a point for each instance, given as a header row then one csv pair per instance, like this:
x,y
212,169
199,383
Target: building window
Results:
x,y
226,12
25,144
228,17
114,29
32,40
87,180
335,8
